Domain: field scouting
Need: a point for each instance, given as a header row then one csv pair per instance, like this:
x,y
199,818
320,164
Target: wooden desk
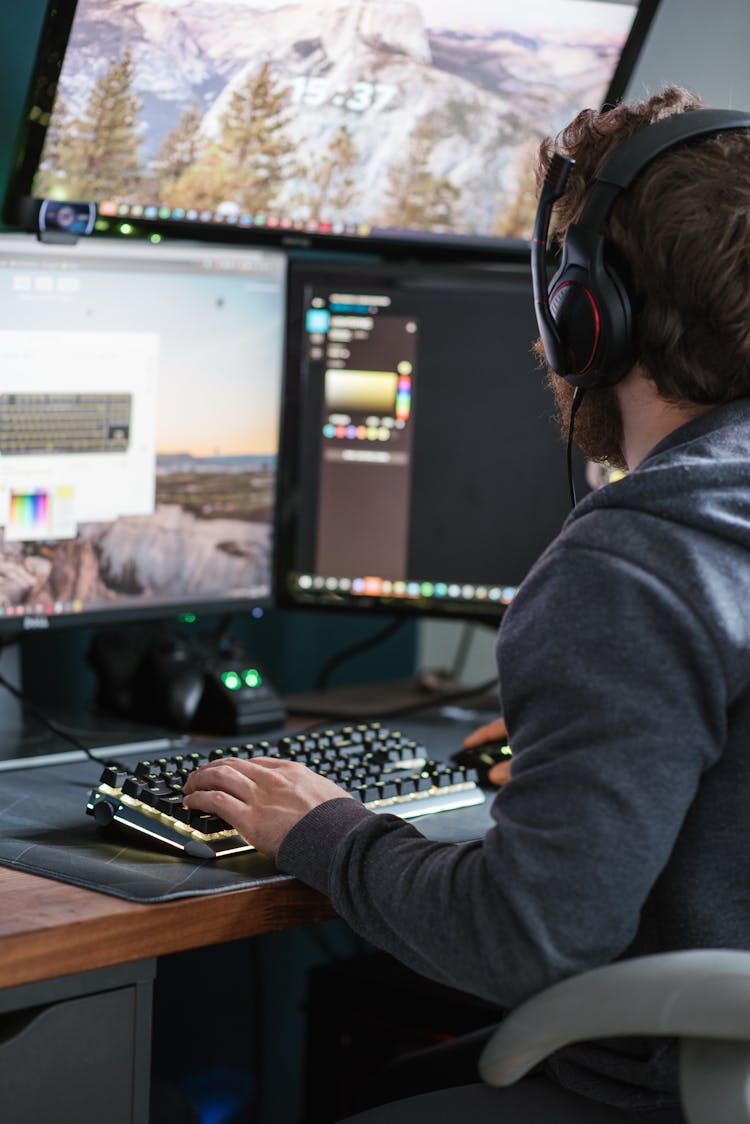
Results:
x,y
76,978
86,961
50,929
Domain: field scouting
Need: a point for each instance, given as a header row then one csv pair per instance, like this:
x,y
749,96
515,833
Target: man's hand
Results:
x,y
262,799
495,731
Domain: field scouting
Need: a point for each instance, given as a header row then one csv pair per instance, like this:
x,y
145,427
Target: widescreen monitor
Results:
x,y
423,471
388,123
139,427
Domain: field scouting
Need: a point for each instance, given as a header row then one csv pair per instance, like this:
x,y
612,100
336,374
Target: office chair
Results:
x,y
700,996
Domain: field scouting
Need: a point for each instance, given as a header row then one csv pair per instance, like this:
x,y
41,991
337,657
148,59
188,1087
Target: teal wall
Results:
x,y
291,644
20,28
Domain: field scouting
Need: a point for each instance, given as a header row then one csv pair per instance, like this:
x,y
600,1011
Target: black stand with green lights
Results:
x,y
193,684
237,697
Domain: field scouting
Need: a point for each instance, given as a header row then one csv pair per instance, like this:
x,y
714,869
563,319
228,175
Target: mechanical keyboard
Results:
x,y
384,769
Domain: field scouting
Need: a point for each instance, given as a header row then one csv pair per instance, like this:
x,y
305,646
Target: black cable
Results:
x,y
331,664
442,699
58,731
577,399
438,699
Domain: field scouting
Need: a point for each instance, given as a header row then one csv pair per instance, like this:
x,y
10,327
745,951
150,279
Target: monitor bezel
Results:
x,y
19,209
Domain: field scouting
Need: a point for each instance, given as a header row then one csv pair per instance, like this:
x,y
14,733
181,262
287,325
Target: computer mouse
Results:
x,y
483,758
169,684
183,690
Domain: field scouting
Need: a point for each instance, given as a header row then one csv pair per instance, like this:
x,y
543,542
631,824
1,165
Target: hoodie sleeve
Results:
x,y
615,702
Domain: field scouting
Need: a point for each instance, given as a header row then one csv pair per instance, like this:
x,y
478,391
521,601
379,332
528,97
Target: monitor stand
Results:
x,y
11,710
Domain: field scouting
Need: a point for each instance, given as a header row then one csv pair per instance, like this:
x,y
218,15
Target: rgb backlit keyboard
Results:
x,y
384,769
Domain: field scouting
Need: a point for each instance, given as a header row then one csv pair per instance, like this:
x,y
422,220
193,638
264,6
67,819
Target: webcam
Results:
x,y
65,221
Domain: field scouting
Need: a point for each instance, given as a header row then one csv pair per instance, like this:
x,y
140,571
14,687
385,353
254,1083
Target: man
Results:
x,y
624,664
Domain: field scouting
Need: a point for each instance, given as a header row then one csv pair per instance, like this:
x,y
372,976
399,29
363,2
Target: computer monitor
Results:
x,y
422,468
389,123
139,428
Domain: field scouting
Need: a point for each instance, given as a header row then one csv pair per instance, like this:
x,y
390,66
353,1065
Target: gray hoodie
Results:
x,y
625,670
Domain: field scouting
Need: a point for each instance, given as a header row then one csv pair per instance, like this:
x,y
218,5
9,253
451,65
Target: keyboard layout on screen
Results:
x,y
50,424
384,769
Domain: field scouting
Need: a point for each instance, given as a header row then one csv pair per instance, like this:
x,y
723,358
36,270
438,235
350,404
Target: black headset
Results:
x,y
585,314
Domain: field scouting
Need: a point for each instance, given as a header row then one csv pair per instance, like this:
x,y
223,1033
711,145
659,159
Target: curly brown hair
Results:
x,y
683,228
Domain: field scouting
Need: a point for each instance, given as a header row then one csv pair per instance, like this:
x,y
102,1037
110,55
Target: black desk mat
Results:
x,y
45,830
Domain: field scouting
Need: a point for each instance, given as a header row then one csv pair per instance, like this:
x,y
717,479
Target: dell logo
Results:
x,y
35,622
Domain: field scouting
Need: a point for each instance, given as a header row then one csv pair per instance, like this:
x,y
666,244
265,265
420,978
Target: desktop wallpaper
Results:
x,y
324,115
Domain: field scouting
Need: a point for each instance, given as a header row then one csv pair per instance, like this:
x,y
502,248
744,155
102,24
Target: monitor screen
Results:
x,y
139,422
396,122
422,468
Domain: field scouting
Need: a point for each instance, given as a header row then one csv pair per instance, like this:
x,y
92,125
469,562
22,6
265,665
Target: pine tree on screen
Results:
x,y
51,176
331,181
178,151
516,210
417,199
101,146
252,155
259,153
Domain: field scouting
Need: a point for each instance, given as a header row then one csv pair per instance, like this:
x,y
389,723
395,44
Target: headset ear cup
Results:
x,y
592,313
578,322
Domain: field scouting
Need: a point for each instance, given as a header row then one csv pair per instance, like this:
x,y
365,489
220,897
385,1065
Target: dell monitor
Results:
x,y
139,424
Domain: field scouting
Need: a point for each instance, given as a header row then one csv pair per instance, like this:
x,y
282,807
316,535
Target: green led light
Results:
x,y
506,751
252,677
231,680
101,224
155,238
188,618
427,589
125,228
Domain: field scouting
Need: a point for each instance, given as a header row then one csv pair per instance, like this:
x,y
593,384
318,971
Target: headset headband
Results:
x,y
635,154
581,268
